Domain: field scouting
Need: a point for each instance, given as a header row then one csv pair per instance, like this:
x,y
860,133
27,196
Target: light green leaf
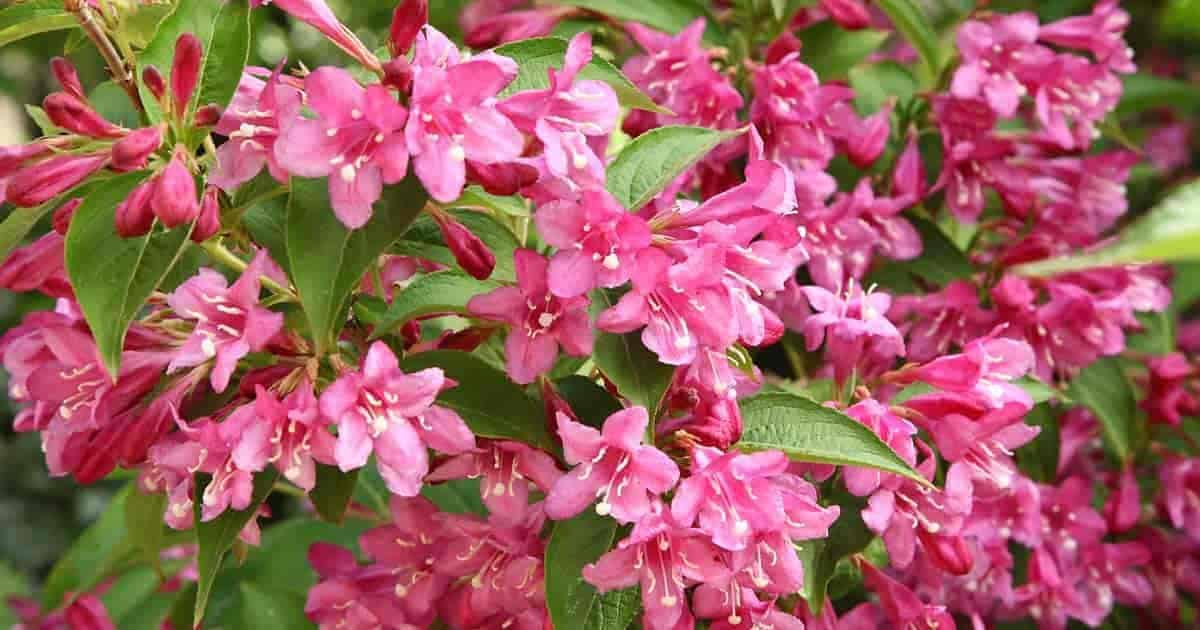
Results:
x,y
832,51
668,16
11,584
1144,92
261,608
31,17
636,371
573,603
1170,231
648,164
493,406
478,198
875,83
327,261
910,20
113,276
144,527
439,292
130,591
847,536
535,56
18,224
1103,388
809,432
331,496
215,537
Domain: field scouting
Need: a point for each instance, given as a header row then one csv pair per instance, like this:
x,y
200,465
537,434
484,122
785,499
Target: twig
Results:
x,y
117,67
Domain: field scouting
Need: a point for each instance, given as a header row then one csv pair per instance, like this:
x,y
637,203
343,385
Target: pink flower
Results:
x,y
39,266
1102,33
732,606
611,464
1072,97
185,73
1170,392
316,13
896,432
37,183
253,123
384,410
355,140
901,606
212,445
731,494
1051,597
597,240
488,23
288,434
983,371
77,116
851,328
1000,59
1069,522
540,321
665,558
1180,480
229,322
454,115
174,199
506,470
348,596
134,150
408,548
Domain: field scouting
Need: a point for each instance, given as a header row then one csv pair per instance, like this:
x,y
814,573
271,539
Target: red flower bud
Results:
x,y
867,140
471,253
76,116
154,81
64,214
466,340
68,78
185,71
174,199
207,116
951,554
209,222
908,180
849,14
502,179
783,46
554,405
398,74
134,150
36,184
407,20
14,157
134,215
410,332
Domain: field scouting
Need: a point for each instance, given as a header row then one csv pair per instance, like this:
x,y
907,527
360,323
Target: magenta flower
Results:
x,y
851,328
384,410
540,322
901,606
665,558
1000,58
597,242
1102,33
229,322
1069,522
970,433
1051,595
355,140
1180,480
348,596
732,606
288,434
611,464
454,115
506,471
731,494
253,122
408,547
984,371
39,266
213,444
895,431
1171,391
1073,96
37,183
317,14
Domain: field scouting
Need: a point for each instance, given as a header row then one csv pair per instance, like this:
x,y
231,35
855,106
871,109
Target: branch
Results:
x,y
117,67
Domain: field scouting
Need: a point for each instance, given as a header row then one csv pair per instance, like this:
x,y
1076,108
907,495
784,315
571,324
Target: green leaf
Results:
x,y
1170,231
573,603
215,537
624,360
223,29
424,240
1157,335
113,276
327,261
591,402
267,224
648,164
180,614
31,17
435,293
130,591
91,557
1185,286
478,198
668,16
847,536
11,584
492,405
144,528
1039,458
910,20
832,51
460,496
810,432
535,56
18,224
1103,388
1144,92
875,83
941,261
331,496
261,608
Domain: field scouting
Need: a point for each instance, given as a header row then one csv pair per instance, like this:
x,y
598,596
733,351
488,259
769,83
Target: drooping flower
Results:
x,y
1001,58
288,434
506,470
853,328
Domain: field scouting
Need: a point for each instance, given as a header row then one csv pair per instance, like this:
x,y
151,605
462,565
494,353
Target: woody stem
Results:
x,y
117,66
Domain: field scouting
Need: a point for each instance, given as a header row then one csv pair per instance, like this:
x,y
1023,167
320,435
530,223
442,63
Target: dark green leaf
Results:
x,y
832,52
130,591
1039,458
535,56
1143,92
1170,231
910,20
149,614
327,261
669,16
331,496
12,584
847,536
460,496
215,537
180,614
654,159
941,261
436,293
573,603
267,224
281,565
31,17
144,528
371,490
1157,335
261,608
810,432
1103,388
875,83
590,402
424,240
624,360
113,276
492,405
92,557
1185,286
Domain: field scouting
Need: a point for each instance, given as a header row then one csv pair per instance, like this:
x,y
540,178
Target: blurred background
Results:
x,y
40,516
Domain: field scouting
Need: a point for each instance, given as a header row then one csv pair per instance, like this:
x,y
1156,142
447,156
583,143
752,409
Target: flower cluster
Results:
x,y
803,317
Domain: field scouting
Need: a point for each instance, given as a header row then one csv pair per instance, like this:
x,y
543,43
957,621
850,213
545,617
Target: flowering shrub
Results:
x,y
744,316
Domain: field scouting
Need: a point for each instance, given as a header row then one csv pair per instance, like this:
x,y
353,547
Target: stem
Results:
x,y
117,67
795,361
222,255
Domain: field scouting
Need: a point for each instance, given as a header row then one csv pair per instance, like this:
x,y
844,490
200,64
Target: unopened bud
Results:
x,y
76,116
554,405
502,179
134,150
209,221
174,200
154,81
207,116
849,14
64,214
38,183
410,332
908,180
951,554
471,253
134,216
407,20
868,139
185,71
466,340
64,71
398,74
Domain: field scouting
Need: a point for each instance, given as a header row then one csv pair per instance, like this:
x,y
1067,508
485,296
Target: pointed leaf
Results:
x,y
458,496
144,527
832,51
113,276
648,164
847,536
19,20
436,293
262,608
910,20
18,224
624,360
91,557
1104,388
331,496
809,432
535,56
1039,458
573,603
591,402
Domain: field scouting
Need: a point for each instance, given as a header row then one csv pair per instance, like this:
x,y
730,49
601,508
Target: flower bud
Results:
x,y
36,184
410,332
207,116
466,340
849,14
64,214
64,71
407,20
502,179
1124,506
185,71
554,405
174,199
908,180
154,81
784,45
951,554
14,157
398,74
77,116
134,150
209,221
471,253
134,216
